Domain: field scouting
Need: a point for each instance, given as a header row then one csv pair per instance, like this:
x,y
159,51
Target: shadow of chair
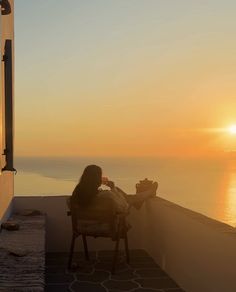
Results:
x,y
100,219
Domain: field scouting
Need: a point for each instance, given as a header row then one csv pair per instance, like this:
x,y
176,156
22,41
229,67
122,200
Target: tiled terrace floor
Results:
x,y
142,275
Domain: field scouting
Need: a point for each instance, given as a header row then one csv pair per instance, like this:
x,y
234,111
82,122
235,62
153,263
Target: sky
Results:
x,y
125,77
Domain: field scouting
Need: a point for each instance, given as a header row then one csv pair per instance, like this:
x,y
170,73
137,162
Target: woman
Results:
x,y
88,188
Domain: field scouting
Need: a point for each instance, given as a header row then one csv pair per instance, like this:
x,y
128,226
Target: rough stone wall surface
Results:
x,y
22,255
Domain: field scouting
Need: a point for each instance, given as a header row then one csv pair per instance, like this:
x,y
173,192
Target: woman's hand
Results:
x,y
110,184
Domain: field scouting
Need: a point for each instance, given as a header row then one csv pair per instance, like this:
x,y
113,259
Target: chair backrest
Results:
x,y
101,210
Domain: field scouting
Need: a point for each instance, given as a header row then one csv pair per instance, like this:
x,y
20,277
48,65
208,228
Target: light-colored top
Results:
x,y
117,197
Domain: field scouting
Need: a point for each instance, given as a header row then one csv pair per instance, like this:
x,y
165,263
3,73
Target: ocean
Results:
x,y
207,186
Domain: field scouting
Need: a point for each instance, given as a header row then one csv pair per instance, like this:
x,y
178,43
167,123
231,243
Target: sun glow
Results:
x,y
232,129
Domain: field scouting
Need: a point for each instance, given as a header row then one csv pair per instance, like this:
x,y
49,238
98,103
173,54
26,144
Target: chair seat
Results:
x,y
97,229
94,228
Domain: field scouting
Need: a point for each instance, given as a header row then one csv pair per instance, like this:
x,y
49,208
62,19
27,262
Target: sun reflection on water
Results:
x,y
230,198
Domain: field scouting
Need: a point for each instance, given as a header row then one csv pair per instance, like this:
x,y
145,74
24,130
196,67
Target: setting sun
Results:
x,y
232,129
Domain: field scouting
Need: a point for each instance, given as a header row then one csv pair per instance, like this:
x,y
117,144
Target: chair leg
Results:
x,y
115,255
71,251
85,247
126,248
116,251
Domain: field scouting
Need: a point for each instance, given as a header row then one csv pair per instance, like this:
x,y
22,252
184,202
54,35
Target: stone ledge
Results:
x,y
22,255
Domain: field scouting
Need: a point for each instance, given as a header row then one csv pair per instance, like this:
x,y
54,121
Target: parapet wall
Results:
x,y
196,251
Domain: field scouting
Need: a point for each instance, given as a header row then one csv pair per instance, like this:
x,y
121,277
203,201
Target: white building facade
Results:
x,y
6,106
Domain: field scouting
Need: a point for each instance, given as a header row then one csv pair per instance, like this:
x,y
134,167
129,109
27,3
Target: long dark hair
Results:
x,y
88,185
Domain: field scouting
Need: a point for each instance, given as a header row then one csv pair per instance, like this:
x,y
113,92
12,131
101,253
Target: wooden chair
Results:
x,y
99,219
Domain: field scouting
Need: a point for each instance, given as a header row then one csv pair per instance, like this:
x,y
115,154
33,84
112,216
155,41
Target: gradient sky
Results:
x,y
125,77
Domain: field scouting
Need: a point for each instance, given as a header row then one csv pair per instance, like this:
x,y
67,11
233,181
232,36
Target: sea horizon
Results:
x,y
207,186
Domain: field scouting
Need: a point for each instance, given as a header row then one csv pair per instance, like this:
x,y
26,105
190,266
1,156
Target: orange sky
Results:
x,y
125,78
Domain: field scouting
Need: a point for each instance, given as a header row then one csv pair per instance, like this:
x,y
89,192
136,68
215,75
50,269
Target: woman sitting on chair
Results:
x,y
88,188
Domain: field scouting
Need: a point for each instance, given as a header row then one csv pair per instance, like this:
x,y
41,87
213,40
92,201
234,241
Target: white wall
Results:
x,y
6,178
196,251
